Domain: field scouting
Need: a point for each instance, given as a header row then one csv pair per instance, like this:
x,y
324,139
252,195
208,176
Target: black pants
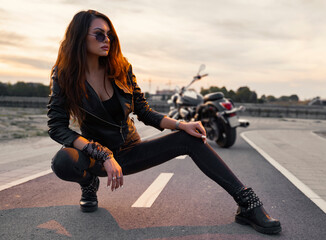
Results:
x,y
70,164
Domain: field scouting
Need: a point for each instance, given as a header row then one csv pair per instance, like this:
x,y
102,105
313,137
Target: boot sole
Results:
x,y
271,230
88,209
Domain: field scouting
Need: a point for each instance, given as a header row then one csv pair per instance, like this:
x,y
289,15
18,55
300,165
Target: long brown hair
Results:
x,y
71,62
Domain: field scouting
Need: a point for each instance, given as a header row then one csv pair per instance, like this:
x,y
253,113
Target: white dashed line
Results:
x,y
321,203
149,196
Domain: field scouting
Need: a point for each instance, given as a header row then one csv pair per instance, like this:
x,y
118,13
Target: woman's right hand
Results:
x,y
114,171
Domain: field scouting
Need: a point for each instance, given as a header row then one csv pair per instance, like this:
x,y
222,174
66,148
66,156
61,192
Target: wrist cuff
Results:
x,y
177,125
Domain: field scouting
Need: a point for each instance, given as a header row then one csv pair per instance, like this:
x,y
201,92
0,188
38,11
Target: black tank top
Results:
x,y
114,108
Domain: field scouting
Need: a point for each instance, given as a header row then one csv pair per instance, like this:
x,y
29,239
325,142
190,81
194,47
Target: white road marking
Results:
x,y
181,157
25,179
40,174
321,203
317,135
149,196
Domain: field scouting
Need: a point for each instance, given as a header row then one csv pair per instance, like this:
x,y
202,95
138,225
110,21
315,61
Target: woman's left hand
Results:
x,y
195,129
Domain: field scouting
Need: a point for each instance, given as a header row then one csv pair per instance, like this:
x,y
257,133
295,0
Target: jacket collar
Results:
x,y
121,86
94,104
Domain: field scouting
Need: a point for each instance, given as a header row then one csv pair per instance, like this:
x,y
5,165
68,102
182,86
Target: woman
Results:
x,y
94,84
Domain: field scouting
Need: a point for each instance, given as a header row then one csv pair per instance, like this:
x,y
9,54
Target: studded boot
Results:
x,y
251,212
88,201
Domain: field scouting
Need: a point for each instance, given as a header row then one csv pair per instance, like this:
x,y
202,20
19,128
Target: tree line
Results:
x,y
245,95
23,89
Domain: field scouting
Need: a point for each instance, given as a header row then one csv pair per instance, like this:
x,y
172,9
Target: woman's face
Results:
x,y
97,41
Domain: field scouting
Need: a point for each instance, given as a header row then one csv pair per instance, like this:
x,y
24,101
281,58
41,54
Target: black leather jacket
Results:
x,y
98,124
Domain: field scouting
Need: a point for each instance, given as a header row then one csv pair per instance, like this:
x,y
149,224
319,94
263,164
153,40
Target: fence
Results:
x,y
24,102
265,110
257,110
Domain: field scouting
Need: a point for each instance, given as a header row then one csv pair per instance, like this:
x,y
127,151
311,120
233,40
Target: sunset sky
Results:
x,y
275,47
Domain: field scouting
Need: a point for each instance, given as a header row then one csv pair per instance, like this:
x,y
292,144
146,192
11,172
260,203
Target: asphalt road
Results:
x,y
190,206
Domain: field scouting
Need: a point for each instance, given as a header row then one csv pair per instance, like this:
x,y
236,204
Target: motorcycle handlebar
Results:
x,y
198,77
204,75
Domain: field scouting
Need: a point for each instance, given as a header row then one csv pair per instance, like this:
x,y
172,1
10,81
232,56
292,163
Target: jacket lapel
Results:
x,y
94,105
121,86
124,99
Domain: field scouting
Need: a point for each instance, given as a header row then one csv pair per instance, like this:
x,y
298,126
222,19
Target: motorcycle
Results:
x,y
217,113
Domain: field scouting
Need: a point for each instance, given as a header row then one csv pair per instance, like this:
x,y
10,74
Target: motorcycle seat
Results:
x,y
213,96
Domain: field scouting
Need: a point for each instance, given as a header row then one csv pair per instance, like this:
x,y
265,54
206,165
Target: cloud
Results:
x,y
286,88
8,78
238,37
89,2
3,15
248,29
77,2
11,38
37,63
241,42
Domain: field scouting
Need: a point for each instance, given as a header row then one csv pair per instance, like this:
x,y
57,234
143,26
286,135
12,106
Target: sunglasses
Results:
x,y
100,37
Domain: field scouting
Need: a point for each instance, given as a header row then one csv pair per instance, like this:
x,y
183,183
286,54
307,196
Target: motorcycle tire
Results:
x,y
227,135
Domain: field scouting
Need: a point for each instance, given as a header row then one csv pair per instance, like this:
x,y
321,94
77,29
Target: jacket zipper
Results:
x,y
103,119
115,125
121,132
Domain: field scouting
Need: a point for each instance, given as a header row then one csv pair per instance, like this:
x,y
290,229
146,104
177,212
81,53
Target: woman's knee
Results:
x,y
189,140
63,161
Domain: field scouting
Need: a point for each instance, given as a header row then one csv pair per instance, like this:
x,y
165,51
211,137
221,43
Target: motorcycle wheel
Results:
x,y
227,135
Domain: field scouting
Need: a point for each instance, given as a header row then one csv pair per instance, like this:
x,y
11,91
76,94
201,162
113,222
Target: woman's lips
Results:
x,y
105,48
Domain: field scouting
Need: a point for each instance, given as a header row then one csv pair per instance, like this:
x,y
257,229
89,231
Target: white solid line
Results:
x,y
321,203
181,157
25,179
152,192
317,135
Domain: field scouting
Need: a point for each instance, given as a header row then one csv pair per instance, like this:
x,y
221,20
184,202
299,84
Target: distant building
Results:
x,y
317,102
165,92
162,95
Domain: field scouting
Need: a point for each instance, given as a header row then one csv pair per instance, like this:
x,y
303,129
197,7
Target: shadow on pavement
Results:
x,y
68,222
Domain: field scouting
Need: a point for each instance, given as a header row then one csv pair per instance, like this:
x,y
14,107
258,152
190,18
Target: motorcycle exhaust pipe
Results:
x,y
244,123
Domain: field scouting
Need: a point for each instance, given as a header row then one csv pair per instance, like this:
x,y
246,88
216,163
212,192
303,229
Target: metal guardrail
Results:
x,y
265,110
279,111
256,110
23,102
